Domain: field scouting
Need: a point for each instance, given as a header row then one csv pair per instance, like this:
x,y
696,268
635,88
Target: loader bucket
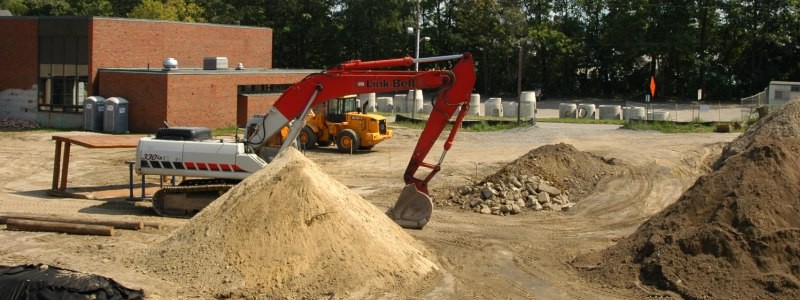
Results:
x,y
413,208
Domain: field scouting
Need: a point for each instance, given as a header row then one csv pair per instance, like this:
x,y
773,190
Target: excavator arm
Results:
x,y
453,86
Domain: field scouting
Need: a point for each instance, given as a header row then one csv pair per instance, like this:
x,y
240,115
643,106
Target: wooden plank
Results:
x,y
57,164
101,140
72,228
64,168
155,225
118,224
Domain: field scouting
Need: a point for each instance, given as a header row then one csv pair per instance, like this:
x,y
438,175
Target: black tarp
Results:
x,y
43,282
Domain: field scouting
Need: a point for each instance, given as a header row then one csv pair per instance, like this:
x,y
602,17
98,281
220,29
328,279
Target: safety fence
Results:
x,y
687,112
752,103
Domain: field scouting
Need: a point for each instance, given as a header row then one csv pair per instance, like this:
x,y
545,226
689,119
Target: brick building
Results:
x,y
51,64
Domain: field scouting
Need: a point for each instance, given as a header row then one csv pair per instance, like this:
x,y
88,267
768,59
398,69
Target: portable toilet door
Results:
x,y
116,115
93,111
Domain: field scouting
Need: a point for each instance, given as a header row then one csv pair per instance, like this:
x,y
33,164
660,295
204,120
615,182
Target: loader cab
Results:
x,y
337,110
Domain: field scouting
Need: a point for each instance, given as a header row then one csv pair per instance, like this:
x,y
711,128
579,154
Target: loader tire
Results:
x,y
307,138
347,140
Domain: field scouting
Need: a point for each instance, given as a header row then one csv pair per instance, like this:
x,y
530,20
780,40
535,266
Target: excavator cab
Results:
x,y
337,110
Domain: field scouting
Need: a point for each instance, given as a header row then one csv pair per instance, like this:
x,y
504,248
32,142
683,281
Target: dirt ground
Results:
x,y
524,256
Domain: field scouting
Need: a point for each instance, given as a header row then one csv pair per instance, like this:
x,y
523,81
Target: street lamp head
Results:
x,y
410,30
427,38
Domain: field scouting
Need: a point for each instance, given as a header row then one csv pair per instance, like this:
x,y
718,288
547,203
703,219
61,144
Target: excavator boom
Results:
x,y
453,87
186,152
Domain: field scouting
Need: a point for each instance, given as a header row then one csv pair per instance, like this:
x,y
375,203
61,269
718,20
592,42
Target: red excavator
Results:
x,y
190,151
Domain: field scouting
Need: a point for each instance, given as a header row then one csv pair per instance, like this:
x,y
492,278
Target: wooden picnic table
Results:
x,y
91,141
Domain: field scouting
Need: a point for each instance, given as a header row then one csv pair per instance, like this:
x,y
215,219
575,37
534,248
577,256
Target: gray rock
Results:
x,y
475,202
515,182
523,178
487,193
520,203
465,190
567,206
485,209
547,206
515,209
536,206
553,191
544,197
530,200
505,208
496,210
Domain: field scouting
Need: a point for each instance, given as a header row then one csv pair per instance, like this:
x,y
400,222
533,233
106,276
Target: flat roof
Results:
x,y
200,71
784,82
11,16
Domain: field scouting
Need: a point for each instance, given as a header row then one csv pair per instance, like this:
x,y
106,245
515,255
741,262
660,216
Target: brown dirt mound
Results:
x,y
561,164
558,171
290,230
735,234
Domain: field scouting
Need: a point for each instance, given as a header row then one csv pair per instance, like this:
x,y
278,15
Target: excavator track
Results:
x,y
188,198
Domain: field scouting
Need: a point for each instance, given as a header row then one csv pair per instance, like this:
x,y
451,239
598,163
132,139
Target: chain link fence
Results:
x,y
752,103
689,112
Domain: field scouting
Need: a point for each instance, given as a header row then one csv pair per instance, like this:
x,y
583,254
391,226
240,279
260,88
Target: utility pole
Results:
x,y
519,82
416,55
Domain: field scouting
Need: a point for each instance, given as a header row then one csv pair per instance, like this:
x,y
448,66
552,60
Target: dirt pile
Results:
x,y
290,230
550,177
735,234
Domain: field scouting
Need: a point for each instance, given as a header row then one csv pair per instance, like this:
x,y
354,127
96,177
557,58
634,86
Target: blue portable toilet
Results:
x,y
93,111
116,115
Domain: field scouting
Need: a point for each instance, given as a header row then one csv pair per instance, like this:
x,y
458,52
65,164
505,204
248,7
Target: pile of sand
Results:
x,y
290,230
734,234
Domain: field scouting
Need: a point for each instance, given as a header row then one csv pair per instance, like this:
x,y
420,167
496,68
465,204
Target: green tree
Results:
x,y
16,7
100,8
172,10
48,8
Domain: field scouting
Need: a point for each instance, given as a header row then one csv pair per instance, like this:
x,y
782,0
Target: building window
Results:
x,y
63,65
780,95
796,88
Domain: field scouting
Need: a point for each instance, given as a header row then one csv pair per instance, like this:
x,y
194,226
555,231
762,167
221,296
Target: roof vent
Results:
x,y
170,64
215,63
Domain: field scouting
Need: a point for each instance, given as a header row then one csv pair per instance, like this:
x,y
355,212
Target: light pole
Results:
x,y
519,82
418,24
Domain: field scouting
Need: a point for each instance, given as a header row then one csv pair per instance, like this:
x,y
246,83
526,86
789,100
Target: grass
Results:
x,y
481,127
580,121
663,127
670,127
227,131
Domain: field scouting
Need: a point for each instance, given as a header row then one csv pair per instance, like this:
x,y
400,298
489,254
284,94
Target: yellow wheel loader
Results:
x,y
342,122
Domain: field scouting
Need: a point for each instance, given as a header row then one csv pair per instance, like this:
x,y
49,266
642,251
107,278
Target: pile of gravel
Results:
x,y
548,178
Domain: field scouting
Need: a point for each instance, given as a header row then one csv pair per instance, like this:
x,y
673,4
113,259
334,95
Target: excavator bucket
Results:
x,y
413,208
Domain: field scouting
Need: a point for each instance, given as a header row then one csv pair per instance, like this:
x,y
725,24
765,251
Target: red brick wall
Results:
x,y
130,43
210,100
19,50
250,105
186,99
146,94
